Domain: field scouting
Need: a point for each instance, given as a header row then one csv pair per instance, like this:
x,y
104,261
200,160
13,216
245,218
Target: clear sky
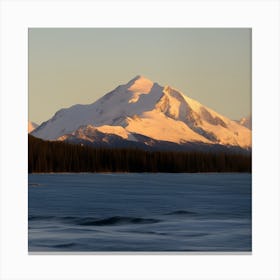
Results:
x,y
79,65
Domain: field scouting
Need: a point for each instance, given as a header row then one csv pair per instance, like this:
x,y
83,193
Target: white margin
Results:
x,y
261,16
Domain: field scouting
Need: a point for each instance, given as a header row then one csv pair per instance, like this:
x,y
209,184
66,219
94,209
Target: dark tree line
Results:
x,y
54,156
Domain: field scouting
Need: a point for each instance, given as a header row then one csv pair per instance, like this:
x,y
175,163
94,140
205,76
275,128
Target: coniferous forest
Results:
x,y
55,156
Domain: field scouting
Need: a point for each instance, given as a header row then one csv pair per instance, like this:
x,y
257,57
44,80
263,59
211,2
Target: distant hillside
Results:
x,y
58,156
31,126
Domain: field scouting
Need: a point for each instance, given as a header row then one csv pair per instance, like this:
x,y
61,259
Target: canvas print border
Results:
x,y
265,256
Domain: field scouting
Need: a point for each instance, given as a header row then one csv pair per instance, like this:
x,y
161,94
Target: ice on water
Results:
x,y
140,212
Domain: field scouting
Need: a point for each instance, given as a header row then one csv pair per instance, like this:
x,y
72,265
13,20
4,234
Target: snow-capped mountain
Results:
x,y
143,111
246,121
31,126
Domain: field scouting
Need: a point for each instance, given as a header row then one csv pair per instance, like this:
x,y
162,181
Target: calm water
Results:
x,y
139,212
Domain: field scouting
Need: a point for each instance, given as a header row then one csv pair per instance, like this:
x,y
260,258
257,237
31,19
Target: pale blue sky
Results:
x,y
70,66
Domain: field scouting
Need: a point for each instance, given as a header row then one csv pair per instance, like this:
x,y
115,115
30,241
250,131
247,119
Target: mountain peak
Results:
x,y
140,84
138,77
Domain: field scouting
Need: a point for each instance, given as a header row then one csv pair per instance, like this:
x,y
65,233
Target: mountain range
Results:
x,y
142,113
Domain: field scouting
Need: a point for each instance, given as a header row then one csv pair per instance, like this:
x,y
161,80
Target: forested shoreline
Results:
x,y
56,156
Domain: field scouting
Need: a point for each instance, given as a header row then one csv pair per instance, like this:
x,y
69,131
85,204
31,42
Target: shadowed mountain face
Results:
x,y
142,112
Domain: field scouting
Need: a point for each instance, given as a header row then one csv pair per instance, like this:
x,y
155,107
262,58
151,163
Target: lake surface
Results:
x,y
134,212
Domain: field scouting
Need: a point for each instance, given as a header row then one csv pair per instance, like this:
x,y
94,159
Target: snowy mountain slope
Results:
x,y
145,108
111,109
31,126
101,133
